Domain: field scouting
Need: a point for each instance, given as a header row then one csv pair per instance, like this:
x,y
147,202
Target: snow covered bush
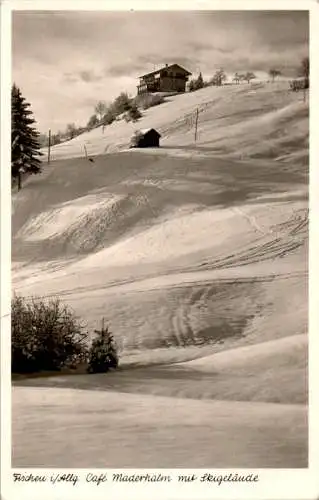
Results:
x,y
45,336
135,138
133,114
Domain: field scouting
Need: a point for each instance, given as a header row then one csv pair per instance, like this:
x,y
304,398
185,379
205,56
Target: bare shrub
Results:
x,y
146,101
45,336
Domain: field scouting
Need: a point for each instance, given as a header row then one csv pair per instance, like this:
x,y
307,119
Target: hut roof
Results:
x,y
183,70
145,131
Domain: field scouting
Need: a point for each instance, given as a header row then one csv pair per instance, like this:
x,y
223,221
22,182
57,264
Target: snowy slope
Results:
x,y
197,257
253,111
96,429
159,224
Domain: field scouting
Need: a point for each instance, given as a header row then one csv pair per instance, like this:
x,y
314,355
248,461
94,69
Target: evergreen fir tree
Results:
x,y
199,82
102,353
25,146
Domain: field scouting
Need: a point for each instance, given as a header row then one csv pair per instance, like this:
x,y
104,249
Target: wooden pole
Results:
x,y
196,123
86,153
49,146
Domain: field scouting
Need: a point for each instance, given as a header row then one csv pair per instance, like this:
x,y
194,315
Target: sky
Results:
x,y
66,61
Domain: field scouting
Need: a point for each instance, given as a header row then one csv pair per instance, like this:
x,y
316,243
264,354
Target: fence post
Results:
x,y
49,147
196,123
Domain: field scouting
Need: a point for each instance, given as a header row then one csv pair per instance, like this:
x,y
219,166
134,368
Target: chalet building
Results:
x,y
171,78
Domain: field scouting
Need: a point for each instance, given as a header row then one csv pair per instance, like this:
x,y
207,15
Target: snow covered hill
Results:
x,y
232,120
197,256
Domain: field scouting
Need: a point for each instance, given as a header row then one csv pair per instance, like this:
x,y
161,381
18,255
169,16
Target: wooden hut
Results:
x,y
146,138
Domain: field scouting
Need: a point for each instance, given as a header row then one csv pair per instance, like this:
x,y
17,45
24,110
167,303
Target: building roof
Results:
x,y
145,131
166,67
